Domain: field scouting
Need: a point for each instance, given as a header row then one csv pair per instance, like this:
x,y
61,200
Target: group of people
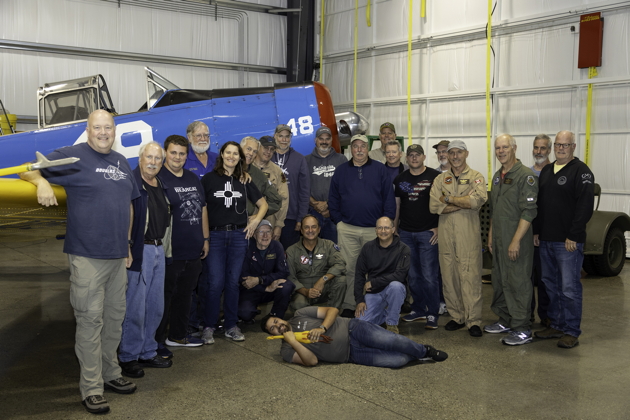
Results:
x,y
190,232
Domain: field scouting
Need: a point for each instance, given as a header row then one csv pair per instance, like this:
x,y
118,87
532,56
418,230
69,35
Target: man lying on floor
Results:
x,y
353,341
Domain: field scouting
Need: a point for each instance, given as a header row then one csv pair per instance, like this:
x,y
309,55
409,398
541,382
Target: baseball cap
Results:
x,y
359,137
283,127
322,130
387,125
267,141
264,223
457,144
415,148
441,143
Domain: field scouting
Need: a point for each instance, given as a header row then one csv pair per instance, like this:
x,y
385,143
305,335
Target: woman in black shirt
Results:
x,y
230,228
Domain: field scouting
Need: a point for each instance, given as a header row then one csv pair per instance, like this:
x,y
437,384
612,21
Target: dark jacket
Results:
x,y
565,202
381,266
270,268
274,201
359,196
140,221
294,168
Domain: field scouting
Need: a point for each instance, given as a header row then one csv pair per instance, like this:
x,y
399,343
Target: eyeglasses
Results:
x,y
384,228
201,136
562,145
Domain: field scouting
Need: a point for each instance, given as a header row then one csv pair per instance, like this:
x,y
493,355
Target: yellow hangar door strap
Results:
x,y
488,102
321,44
356,44
409,37
368,12
592,72
423,8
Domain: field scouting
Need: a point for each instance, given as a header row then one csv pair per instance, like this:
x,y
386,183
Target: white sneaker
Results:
x,y
207,335
443,309
235,334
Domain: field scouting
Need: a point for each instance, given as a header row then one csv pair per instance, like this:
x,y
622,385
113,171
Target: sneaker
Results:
x,y
442,309
414,316
431,323
185,342
453,325
120,386
435,354
163,352
207,335
548,333
96,404
131,369
496,328
155,362
568,341
235,334
475,331
393,328
517,338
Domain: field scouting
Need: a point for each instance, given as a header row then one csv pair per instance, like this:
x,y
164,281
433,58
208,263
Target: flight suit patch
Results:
x,y
507,180
304,260
448,180
496,181
271,256
562,180
319,256
530,180
336,247
463,181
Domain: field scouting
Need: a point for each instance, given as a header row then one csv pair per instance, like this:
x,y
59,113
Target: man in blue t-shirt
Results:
x,y
100,188
190,244
200,159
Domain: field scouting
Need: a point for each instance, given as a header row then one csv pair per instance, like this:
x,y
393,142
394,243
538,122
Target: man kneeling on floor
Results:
x,y
264,276
352,341
379,282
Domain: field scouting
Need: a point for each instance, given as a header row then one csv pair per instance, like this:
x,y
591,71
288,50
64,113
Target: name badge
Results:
x,y
507,181
463,181
271,256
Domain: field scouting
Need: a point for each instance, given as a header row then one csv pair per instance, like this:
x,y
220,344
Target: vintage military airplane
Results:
x,y
230,114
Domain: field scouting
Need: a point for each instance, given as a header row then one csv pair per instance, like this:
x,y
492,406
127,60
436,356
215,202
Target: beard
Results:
x,y
323,151
200,149
443,162
540,160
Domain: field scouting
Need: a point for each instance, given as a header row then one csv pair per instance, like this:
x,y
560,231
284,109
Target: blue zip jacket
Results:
x,y
270,268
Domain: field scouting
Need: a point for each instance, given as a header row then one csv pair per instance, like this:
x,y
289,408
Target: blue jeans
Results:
x,y
424,272
145,306
328,228
561,271
371,345
385,305
227,251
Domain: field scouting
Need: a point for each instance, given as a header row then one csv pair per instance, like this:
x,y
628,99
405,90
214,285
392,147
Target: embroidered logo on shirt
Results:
x,y
113,173
304,260
228,194
463,181
448,180
336,247
496,181
530,180
507,181
477,181
319,256
271,256
562,180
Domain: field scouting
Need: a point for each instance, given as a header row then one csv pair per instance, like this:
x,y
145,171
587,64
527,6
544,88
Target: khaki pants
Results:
x,y
351,240
333,295
97,295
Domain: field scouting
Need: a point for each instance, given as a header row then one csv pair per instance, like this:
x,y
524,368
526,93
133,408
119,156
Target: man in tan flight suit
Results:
x,y
457,195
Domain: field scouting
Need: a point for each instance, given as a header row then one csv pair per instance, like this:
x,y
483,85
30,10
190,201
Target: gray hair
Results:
x,y
394,143
249,138
193,126
143,146
545,138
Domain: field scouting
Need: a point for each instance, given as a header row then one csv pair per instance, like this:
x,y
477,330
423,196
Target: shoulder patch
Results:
x,y
283,178
530,180
448,180
337,247
496,181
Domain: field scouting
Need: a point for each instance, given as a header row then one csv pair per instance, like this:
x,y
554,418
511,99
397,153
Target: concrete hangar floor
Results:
x,y
482,379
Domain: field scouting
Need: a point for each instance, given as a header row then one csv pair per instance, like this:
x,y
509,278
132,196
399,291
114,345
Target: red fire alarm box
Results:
x,y
591,37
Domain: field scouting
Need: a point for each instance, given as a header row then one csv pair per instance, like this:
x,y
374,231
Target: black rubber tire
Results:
x,y
611,262
589,264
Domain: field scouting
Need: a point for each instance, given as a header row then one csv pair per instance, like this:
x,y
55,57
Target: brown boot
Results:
x,y
568,341
392,328
548,333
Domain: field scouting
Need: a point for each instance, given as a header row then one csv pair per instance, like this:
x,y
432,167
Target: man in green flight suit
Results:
x,y
510,239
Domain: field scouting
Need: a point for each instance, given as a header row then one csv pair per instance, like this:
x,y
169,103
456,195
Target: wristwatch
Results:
x,y
325,278
323,328
446,199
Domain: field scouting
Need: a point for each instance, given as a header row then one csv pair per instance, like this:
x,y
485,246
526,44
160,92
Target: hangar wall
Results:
x,y
160,28
537,85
